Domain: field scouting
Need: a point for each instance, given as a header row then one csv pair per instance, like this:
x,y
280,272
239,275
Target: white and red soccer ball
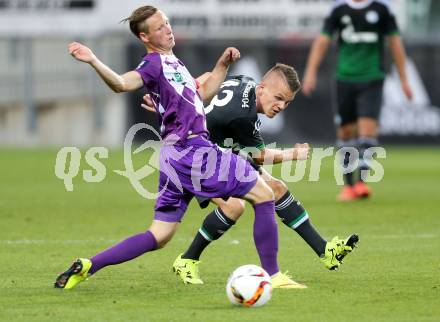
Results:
x,y
250,286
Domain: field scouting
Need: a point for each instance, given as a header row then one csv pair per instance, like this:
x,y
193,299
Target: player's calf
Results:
x,y
213,227
294,216
365,159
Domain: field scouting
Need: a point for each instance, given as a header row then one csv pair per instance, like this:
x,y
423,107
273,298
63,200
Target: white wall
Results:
x,y
65,123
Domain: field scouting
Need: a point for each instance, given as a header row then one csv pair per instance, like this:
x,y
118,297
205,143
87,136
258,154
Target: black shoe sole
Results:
x,y
352,242
63,278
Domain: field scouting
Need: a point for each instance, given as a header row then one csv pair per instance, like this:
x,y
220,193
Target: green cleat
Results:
x,y
187,270
337,249
77,273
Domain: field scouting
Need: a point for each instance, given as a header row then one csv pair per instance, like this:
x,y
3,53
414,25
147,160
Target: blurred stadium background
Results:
x,y
48,99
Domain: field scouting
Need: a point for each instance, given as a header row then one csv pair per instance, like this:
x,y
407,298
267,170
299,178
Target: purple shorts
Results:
x,y
199,167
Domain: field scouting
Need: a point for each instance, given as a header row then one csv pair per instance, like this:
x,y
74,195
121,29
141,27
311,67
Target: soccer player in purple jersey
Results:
x,y
233,121
183,130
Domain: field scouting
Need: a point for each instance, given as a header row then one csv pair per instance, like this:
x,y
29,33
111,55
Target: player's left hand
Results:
x,y
301,151
148,103
229,56
407,90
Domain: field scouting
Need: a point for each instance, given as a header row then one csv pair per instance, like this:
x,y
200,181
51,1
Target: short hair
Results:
x,y
290,75
138,17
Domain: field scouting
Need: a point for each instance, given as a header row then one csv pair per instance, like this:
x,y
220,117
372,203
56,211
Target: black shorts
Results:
x,y
204,202
358,99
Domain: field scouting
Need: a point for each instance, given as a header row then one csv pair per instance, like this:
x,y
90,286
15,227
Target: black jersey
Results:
x,y
361,27
232,117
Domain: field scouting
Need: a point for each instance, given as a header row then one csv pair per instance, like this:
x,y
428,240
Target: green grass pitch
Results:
x,y
394,275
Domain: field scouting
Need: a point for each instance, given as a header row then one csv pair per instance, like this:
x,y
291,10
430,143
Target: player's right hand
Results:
x,y
81,52
148,103
301,151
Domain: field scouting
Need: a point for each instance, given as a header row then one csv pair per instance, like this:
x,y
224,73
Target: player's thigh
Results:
x,y
278,187
233,208
346,103
369,103
209,172
172,202
163,231
261,192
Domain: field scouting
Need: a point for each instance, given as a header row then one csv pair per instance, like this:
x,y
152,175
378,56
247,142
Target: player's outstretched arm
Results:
x,y
399,57
212,83
118,83
319,49
273,156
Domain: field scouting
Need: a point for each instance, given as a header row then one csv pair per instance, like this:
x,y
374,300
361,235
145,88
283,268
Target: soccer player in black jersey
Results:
x,y
362,27
232,120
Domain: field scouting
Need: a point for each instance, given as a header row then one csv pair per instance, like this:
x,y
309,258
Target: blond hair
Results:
x,y
290,75
138,19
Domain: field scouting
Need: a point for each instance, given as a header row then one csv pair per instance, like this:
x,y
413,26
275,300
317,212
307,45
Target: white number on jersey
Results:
x,y
226,95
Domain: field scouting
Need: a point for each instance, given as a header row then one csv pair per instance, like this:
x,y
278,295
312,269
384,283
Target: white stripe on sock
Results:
x,y
301,221
221,217
285,203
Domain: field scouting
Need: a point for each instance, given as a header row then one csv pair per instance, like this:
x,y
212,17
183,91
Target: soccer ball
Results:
x,y
250,286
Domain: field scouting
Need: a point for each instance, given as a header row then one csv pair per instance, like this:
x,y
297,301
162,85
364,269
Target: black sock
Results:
x,y
213,227
296,217
348,177
365,143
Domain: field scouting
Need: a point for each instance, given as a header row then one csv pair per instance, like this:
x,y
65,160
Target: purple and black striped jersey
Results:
x,y
174,93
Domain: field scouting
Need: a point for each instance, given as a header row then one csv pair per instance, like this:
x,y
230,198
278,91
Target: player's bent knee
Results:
x,y
163,240
163,232
278,187
162,244
234,208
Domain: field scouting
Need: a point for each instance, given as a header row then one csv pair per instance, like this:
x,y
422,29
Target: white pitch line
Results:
x,y
231,241
56,242
418,236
